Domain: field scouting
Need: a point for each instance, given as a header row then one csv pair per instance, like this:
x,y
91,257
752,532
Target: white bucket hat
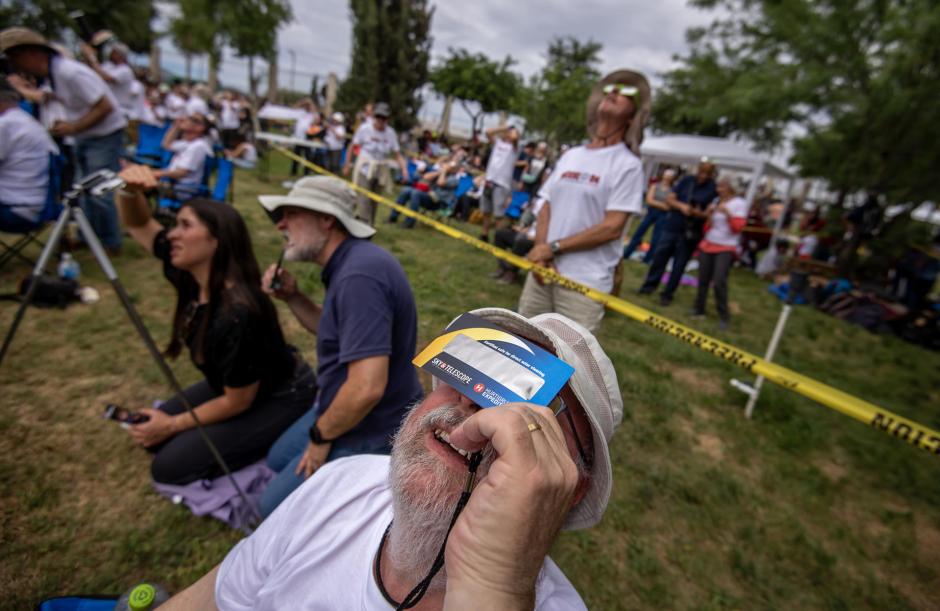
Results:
x,y
594,384
324,194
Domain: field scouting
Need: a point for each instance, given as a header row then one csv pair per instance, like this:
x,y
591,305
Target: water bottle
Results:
x,y
68,267
142,597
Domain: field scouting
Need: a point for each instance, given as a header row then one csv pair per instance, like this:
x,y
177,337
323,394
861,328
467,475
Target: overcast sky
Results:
x,y
634,34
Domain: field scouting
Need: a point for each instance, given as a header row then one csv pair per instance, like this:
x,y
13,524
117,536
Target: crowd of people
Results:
x,y
390,462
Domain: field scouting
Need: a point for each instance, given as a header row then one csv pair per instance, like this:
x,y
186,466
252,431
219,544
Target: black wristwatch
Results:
x,y
316,437
555,246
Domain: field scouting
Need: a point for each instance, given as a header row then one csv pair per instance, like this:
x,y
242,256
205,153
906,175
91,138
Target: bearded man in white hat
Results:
x,y
365,530
366,331
588,198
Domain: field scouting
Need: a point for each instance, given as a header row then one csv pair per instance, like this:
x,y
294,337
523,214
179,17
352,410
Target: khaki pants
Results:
x,y
539,299
375,176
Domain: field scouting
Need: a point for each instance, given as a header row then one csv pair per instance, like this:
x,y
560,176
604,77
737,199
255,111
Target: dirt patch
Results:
x,y
711,445
707,443
695,379
832,470
928,541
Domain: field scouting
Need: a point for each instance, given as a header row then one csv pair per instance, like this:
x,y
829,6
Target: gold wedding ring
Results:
x,y
534,426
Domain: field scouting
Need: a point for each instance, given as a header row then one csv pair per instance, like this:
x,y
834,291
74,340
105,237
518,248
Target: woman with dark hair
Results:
x,y
255,384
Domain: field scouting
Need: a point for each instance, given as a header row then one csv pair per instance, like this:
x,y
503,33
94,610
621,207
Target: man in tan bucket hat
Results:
x,y
92,115
589,196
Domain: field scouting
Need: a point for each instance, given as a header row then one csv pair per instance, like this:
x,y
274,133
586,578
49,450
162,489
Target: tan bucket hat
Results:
x,y
324,194
643,101
21,37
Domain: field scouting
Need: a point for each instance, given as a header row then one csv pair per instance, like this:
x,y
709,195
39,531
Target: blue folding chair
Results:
x,y
224,175
519,199
50,212
464,185
150,149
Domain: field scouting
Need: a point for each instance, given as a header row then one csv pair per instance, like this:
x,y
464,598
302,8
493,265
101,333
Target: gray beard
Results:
x,y
306,252
424,495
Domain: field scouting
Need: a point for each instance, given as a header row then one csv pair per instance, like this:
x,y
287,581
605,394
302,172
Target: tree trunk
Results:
x,y
444,126
272,76
155,72
330,97
215,60
252,81
503,118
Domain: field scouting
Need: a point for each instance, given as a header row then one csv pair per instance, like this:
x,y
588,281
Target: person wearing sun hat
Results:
x,y
365,530
366,330
92,115
588,197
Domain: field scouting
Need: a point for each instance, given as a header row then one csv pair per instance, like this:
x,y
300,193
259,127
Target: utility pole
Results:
x,y
293,62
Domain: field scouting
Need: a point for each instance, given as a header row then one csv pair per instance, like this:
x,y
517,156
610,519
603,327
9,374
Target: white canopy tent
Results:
x,y
726,154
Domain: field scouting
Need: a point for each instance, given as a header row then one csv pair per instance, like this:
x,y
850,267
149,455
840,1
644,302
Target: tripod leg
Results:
x,y
92,240
40,267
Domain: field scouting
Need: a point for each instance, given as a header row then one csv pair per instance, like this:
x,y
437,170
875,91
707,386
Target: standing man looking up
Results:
x,y
499,170
92,114
589,196
376,141
684,228
115,72
366,332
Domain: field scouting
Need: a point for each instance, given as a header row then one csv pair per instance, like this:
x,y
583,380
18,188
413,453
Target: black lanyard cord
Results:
x,y
421,589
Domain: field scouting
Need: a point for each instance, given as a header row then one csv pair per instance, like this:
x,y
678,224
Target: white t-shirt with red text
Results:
x,y
585,185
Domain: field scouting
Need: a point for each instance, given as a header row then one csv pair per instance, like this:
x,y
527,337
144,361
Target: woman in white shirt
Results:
x,y
726,218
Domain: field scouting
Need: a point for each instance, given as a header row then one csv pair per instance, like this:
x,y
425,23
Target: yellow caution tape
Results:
x,y
906,430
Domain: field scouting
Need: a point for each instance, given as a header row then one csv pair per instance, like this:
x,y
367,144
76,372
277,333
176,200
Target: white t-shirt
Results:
x,y
190,155
502,162
196,105
79,88
719,231
376,144
24,163
584,185
175,106
250,153
335,137
138,101
122,86
302,124
228,115
315,552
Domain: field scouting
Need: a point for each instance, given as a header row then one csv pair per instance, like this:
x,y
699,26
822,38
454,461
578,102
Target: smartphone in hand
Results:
x,y
123,415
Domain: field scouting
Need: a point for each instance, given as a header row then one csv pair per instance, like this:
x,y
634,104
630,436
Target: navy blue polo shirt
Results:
x,y
368,310
689,191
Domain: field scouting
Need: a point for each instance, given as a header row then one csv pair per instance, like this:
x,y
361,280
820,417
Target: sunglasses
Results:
x,y
628,91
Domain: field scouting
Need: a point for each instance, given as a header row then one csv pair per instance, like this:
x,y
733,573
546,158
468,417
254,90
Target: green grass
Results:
x,y
800,508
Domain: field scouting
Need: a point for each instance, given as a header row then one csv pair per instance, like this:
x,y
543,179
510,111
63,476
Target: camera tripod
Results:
x,y
97,184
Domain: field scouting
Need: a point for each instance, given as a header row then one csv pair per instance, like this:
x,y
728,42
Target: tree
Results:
x,y
195,30
858,79
248,26
390,53
128,19
554,102
474,78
